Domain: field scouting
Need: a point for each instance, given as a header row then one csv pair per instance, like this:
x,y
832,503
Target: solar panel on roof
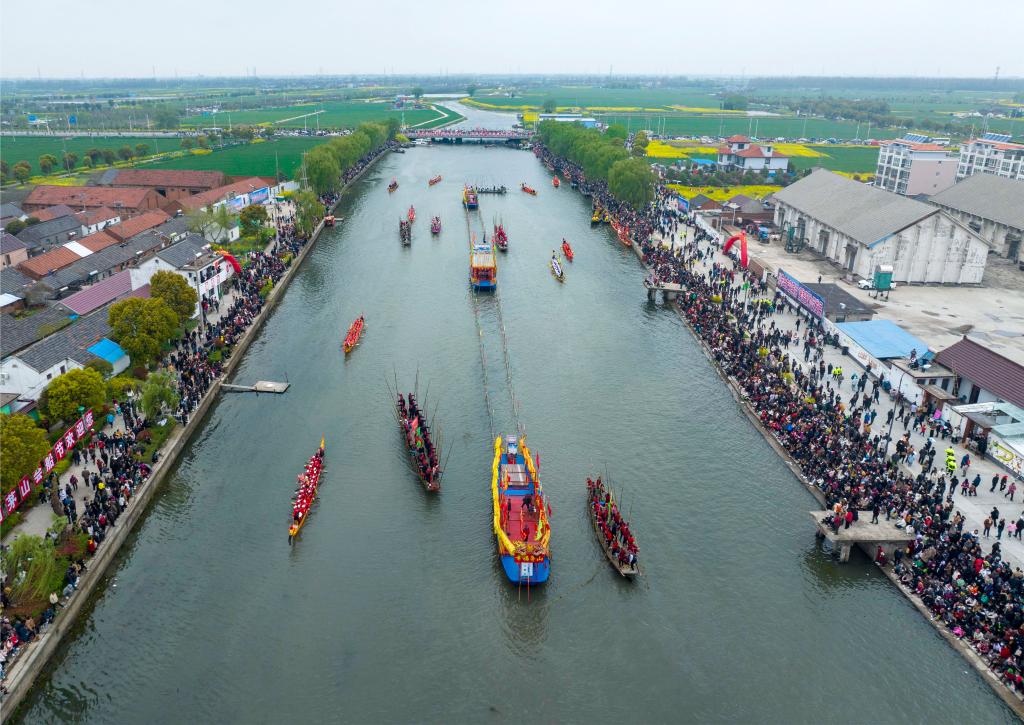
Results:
x,y
915,137
1000,137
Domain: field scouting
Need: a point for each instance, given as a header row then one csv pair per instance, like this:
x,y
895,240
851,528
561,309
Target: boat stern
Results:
x,y
526,572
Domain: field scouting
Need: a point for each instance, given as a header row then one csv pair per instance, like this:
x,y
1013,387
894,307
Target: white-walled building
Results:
x,y
28,371
860,227
993,153
993,206
912,165
741,153
205,271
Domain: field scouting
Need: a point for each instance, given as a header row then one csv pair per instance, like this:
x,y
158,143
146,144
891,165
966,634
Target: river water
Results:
x,y
392,607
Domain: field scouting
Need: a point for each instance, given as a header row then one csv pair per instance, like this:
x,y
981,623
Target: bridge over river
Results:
x,y
474,135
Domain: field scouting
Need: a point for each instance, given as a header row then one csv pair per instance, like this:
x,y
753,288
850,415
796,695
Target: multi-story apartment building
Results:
x,y
914,165
993,153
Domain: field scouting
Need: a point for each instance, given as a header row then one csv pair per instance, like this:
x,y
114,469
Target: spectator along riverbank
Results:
x,y
830,421
110,482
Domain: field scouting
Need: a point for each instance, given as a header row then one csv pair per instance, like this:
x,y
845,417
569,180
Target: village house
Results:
x,y
171,184
739,152
127,202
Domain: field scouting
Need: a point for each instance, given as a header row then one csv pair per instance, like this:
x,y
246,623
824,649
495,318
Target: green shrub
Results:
x,y
265,289
214,356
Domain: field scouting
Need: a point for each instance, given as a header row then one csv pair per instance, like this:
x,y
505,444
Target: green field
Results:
x,y
854,159
336,114
254,159
762,127
30,148
596,96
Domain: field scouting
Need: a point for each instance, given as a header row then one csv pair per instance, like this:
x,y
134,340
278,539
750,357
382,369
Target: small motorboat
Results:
x,y
354,333
469,197
411,216
329,220
555,182
528,189
595,218
435,180
567,250
435,225
556,268
393,186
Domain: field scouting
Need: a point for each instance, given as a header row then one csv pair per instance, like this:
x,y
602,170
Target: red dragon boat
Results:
x,y
354,333
305,492
500,238
622,231
411,215
567,250
435,180
555,182
528,189
425,455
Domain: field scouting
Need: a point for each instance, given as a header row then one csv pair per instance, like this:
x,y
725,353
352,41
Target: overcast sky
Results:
x,y
128,38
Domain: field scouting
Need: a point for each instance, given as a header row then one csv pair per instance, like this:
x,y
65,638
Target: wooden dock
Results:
x,y
868,535
261,386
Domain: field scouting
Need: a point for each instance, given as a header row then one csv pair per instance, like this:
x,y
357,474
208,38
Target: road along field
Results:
x,y
330,114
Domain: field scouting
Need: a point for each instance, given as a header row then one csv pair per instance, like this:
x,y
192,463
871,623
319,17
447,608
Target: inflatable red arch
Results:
x,y
742,239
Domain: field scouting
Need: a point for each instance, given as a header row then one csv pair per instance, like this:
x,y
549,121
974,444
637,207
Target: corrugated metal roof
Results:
x,y
993,372
883,339
865,213
101,293
108,350
987,196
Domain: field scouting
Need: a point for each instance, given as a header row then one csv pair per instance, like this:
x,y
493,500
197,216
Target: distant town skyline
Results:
x,y
745,38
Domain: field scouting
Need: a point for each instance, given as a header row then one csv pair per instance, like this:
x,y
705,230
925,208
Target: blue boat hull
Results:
x,y
541,571
485,285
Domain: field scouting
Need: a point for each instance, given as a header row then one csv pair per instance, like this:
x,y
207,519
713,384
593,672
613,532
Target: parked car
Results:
x,y
870,284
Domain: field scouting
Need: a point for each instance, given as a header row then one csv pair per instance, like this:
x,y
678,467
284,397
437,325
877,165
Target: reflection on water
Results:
x,y
392,607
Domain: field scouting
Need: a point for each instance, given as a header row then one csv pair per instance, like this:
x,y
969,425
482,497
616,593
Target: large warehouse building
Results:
x,y
860,227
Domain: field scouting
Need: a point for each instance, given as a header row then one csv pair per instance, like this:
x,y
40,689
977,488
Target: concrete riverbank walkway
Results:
x,y
974,508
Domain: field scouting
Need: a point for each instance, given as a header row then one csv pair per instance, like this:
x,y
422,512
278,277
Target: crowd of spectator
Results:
x,y
966,584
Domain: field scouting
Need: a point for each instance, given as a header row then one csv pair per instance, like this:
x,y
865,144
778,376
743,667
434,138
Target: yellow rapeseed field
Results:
x,y
696,109
677,149
721,194
660,150
797,149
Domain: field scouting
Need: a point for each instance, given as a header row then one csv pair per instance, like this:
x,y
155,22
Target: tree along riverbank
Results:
x,y
661,261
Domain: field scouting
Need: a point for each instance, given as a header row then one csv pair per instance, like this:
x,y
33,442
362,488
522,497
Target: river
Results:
x,y
392,607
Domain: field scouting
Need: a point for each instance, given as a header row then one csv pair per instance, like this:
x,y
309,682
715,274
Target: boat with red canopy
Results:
x,y
528,189
567,250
